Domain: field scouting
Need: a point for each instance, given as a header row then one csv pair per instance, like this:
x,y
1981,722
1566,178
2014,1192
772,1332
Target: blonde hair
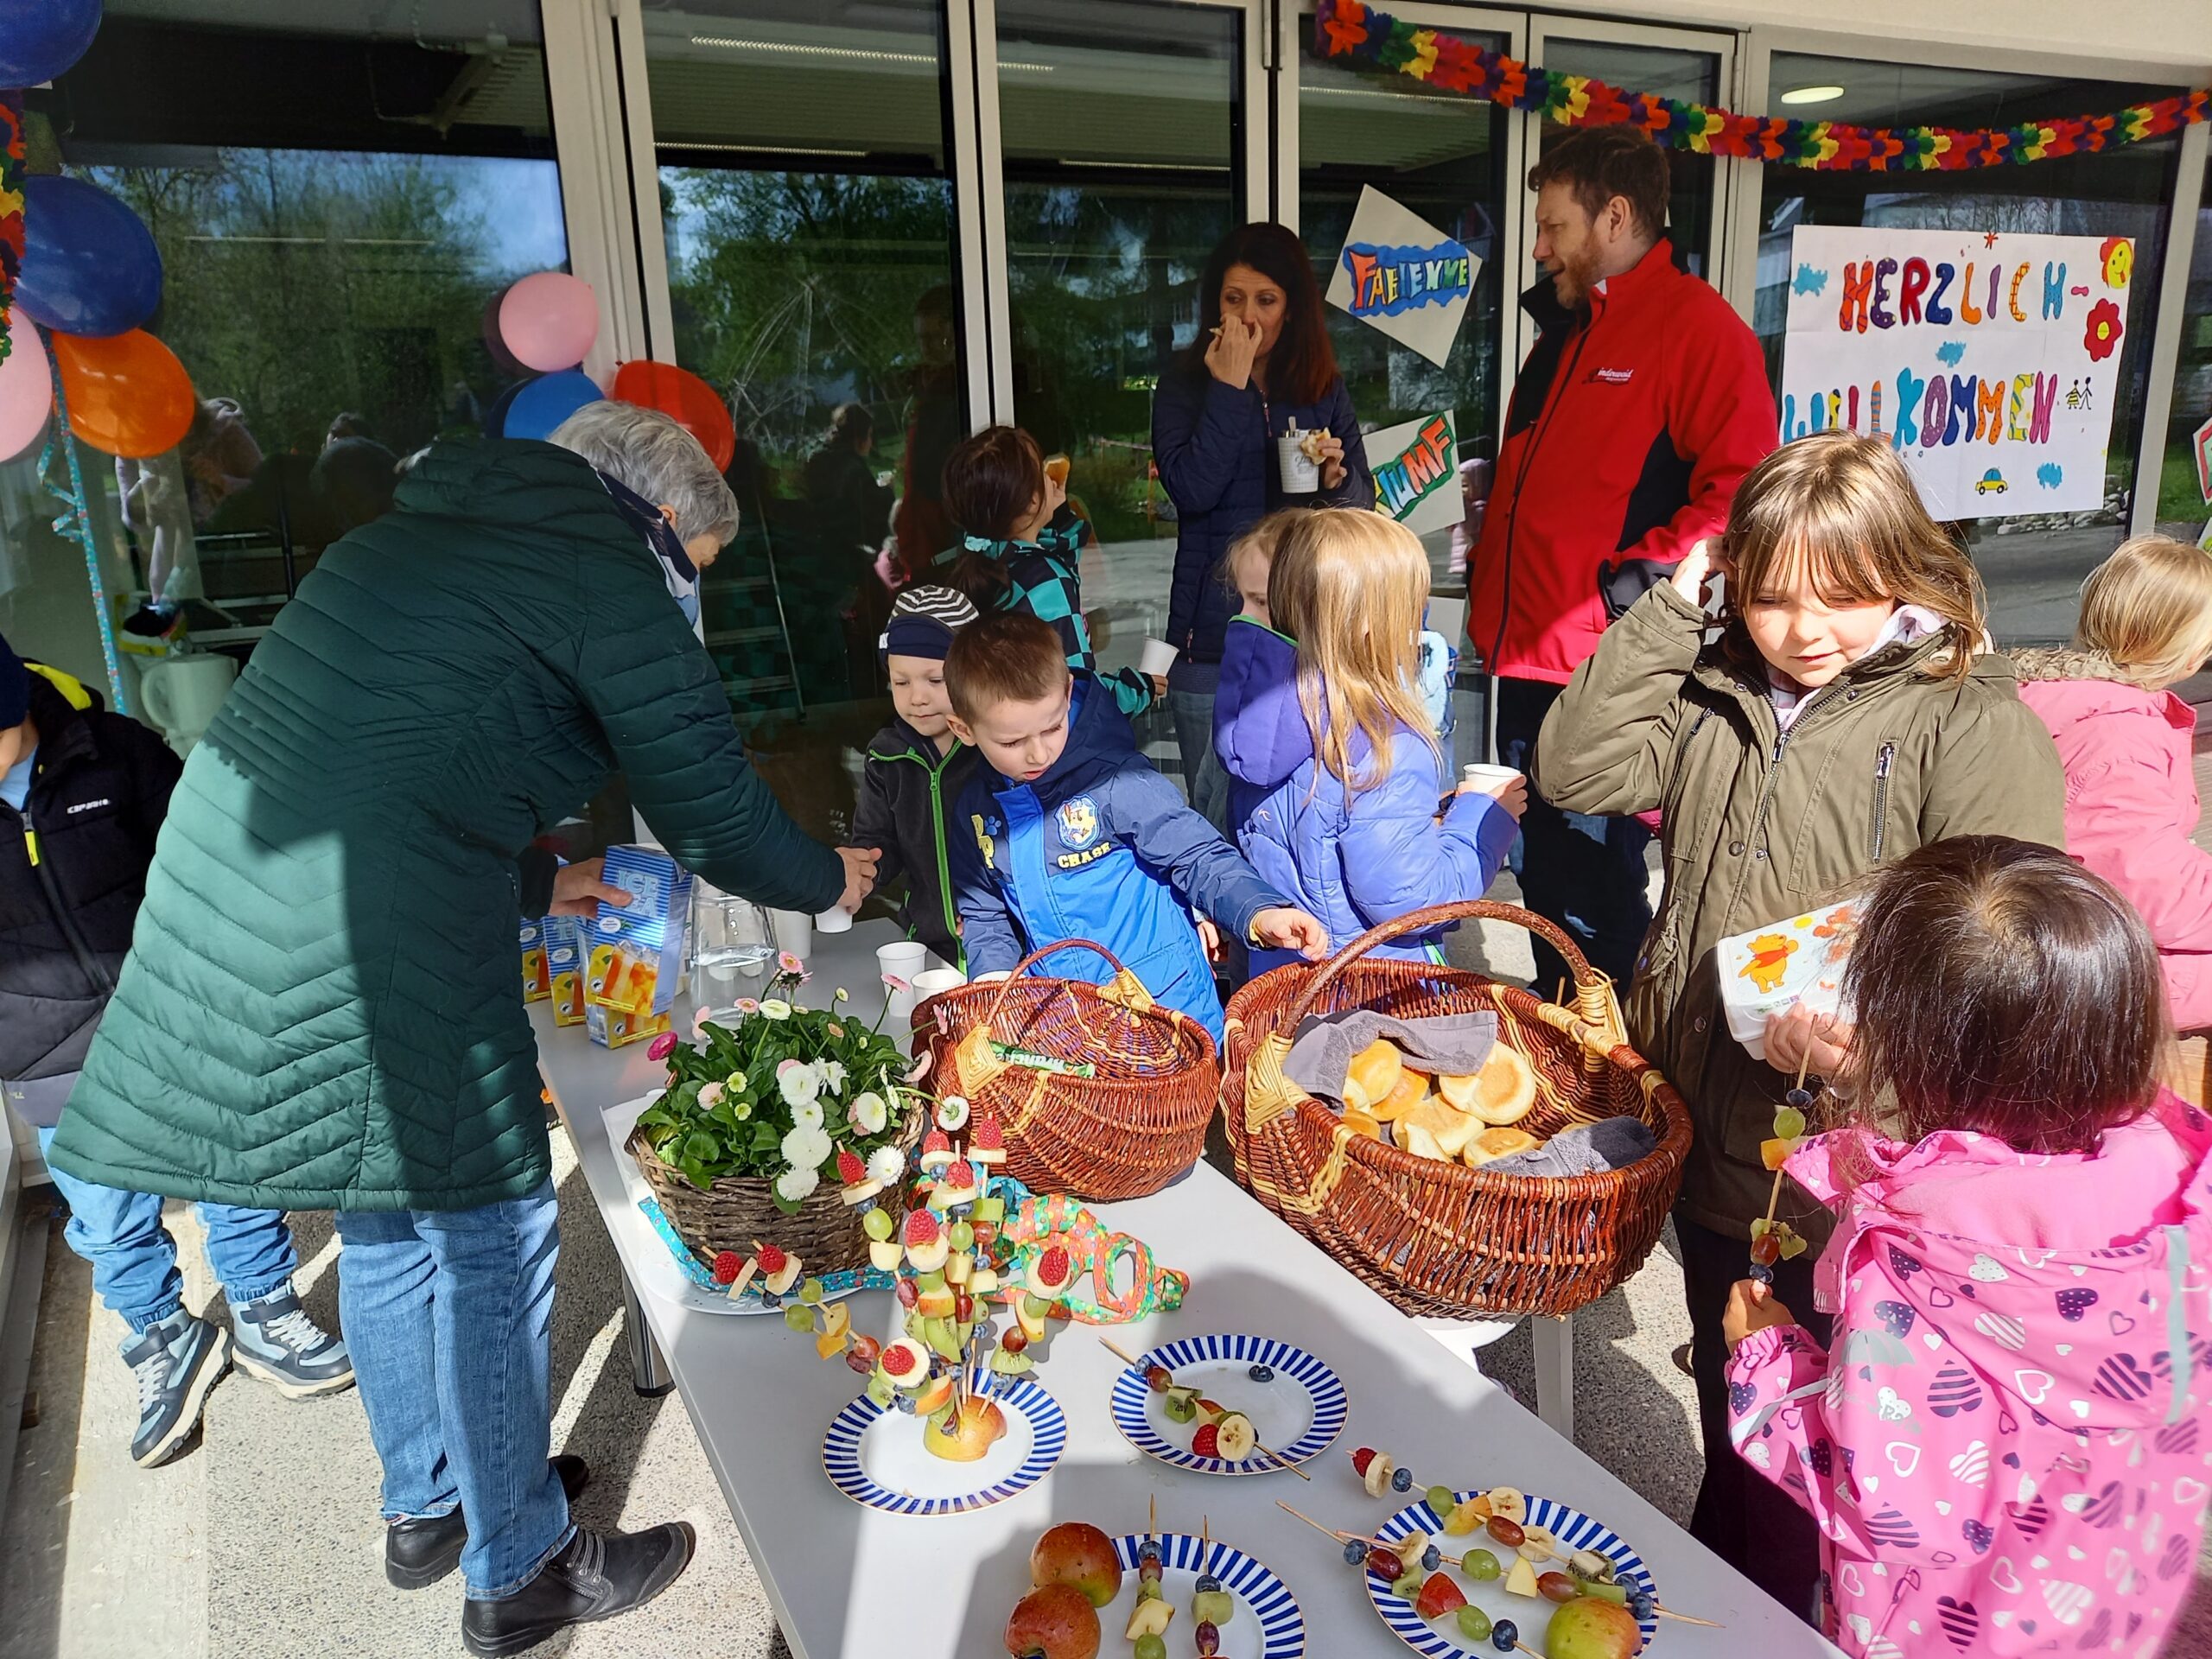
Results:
x,y
2148,608
1843,507
1349,587
1264,538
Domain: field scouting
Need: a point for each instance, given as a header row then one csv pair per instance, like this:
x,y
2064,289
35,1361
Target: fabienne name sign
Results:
x,y
1990,359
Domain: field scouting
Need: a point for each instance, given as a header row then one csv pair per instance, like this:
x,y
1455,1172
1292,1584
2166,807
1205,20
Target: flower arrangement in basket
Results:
x,y
765,1123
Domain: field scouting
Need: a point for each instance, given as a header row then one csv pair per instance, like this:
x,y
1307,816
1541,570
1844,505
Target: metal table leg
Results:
x,y
649,1372
1554,1345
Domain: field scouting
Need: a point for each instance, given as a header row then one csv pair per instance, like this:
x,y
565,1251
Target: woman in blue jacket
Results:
x,y
1262,363
1334,769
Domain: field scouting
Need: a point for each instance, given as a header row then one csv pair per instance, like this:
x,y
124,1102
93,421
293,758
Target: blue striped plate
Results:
x,y
1266,1624
1297,1413
1442,1640
907,1480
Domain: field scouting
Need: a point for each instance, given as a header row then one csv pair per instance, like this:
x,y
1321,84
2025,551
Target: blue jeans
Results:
x,y
1205,779
134,1258
448,1315
1583,872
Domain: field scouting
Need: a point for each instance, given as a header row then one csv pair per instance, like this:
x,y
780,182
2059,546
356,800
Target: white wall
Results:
x,y
2176,33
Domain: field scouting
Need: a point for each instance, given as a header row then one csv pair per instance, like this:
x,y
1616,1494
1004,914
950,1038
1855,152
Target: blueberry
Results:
x,y
1640,1604
769,1298
1763,1273
1504,1635
1403,1481
1430,1558
1355,1553
1262,1374
906,1402
1149,1551
1800,1098
1208,1585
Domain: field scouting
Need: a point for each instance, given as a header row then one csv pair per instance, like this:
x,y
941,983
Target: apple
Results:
x,y
1593,1629
1054,1621
966,1434
1076,1553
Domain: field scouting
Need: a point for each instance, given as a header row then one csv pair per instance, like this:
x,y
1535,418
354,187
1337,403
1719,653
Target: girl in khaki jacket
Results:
x,y
1843,716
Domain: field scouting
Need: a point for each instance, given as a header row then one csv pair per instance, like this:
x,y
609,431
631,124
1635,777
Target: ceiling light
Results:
x,y
1812,95
850,53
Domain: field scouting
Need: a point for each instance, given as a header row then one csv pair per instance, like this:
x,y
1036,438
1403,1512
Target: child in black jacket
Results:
x,y
916,767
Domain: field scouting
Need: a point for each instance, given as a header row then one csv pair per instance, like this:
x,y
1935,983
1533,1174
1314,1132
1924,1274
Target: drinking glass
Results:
x,y
730,939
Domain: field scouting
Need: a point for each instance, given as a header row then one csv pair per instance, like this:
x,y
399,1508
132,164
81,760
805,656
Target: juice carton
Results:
x,y
1769,970
633,955
612,1029
535,985
564,968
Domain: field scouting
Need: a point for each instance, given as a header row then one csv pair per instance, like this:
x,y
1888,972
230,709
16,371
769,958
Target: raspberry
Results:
x,y
773,1261
726,1267
1054,1264
987,1134
851,1171
960,1177
1361,1459
921,1227
936,1140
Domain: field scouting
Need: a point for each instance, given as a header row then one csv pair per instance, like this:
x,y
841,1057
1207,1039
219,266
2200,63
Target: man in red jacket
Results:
x,y
1643,403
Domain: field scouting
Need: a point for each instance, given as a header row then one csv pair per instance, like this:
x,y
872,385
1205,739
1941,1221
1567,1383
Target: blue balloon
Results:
x,y
544,403
38,39
89,265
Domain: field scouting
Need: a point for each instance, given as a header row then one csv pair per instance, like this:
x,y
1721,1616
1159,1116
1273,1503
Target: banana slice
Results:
x,y
1236,1436
1507,1501
1379,1471
1537,1543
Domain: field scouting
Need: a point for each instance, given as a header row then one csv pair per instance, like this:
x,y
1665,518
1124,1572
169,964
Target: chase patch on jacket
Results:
x,y
1078,822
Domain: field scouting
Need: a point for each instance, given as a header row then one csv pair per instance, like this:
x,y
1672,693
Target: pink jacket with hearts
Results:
x,y
2011,1450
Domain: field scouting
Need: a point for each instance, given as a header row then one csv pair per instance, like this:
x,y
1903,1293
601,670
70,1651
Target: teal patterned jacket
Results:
x,y
1046,583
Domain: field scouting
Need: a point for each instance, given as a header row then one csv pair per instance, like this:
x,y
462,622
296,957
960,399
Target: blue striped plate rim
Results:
x,y
1282,1627
1322,1387
1048,1429
1574,1529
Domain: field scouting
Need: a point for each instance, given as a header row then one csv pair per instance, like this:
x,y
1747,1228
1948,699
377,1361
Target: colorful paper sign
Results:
x,y
1991,361
1400,273
2203,447
1416,467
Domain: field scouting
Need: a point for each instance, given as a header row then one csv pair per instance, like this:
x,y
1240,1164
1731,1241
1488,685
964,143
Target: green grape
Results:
x,y
811,1291
877,1224
799,1317
1441,1501
1474,1623
961,1236
1480,1564
1150,1647
1788,1124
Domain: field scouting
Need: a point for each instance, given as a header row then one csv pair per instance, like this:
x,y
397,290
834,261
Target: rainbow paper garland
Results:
x,y
11,205
1346,29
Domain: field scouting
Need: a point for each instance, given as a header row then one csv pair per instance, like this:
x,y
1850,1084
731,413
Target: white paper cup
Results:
x,y
794,931
1157,658
1301,474
930,981
902,958
1490,780
897,1004
836,920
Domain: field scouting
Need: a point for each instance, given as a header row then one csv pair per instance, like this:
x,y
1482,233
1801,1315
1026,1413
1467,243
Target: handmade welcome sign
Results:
x,y
1416,466
1990,360
1401,274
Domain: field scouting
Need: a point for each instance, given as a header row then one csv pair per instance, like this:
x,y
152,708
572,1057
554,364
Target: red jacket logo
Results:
x,y
1613,376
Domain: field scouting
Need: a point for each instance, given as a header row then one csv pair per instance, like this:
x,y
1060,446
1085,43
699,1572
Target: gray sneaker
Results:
x,y
176,1362
279,1344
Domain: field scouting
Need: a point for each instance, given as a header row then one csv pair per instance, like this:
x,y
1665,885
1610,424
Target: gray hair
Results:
x,y
649,452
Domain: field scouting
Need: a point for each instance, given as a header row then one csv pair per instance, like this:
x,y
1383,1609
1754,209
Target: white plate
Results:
x,y
876,1457
1267,1624
1296,1414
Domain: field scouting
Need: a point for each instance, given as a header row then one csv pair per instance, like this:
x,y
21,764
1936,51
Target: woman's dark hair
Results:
x,y
1999,986
992,481
1303,363
851,425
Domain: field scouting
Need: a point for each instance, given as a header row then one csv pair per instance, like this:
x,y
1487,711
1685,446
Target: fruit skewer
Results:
x,y
1504,1635
1275,1457
1460,1561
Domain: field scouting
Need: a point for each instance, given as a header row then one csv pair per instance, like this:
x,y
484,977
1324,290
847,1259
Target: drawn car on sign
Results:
x,y
1990,483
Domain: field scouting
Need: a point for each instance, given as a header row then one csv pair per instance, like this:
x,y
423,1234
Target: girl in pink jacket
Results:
x,y
2125,739
2009,1449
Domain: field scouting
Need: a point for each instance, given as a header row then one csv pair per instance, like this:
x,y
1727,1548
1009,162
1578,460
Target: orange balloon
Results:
x,y
128,394
683,395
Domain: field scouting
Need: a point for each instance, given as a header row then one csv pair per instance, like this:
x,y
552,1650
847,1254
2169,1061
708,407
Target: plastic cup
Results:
x,y
836,920
930,981
902,958
1157,658
1490,780
1301,474
794,933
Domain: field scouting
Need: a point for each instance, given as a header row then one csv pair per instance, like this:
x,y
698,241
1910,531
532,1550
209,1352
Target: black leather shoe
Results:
x,y
421,1552
595,1576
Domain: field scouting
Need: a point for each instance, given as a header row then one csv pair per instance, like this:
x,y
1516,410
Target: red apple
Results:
x,y
1054,1621
1592,1628
1076,1553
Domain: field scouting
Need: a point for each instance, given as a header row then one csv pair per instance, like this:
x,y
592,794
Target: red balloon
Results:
x,y
694,404
128,394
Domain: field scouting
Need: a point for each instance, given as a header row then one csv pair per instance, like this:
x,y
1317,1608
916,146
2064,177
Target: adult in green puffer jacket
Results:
x,y
319,1008
1844,715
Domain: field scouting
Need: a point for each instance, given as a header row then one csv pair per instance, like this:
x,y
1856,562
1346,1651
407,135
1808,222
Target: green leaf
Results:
x,y
702,1147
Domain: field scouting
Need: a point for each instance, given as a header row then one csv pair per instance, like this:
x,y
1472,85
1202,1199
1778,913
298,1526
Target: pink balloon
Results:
x,y
26,388
550,319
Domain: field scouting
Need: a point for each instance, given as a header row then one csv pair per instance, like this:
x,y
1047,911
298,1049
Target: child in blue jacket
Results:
x,y
1014,555
1067,832
1334,766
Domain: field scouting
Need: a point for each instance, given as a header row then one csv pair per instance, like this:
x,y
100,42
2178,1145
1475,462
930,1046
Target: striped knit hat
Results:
x,y
923,620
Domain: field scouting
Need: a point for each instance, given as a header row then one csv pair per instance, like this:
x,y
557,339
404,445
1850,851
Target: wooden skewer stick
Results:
x,y
1152,1516
1274,1457
1341,1537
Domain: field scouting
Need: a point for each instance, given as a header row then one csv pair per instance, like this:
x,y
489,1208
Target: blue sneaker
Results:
x,y
279,1344
176,1361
